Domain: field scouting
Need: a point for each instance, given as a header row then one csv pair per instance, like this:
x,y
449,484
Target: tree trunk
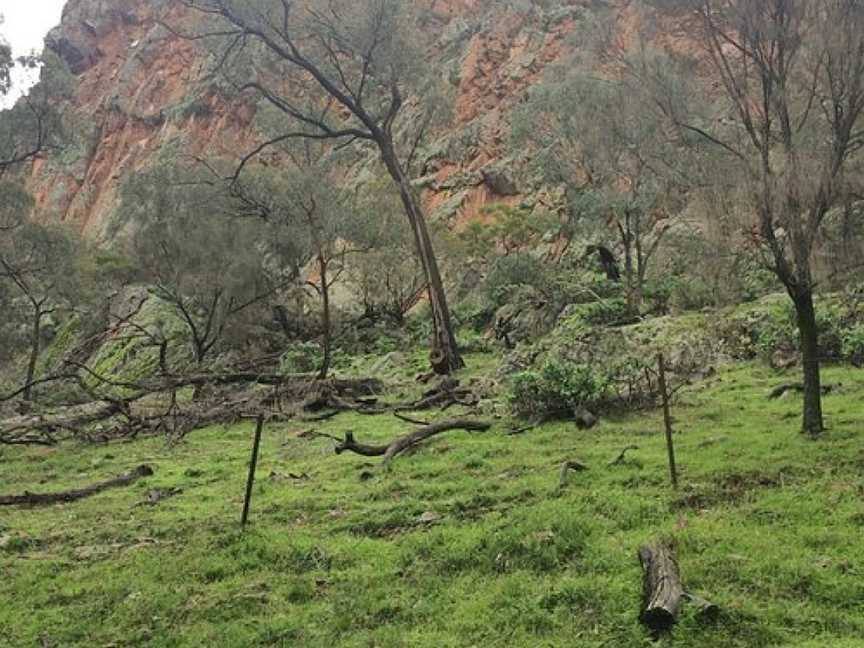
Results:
x,y
634,300
809,335
35,347
445,353
325,318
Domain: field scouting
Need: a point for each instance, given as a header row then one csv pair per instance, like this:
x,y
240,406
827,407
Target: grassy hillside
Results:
x,y
467,542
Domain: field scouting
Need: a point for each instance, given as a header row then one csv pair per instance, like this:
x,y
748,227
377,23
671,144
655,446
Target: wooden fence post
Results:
x,y
259,426
667,419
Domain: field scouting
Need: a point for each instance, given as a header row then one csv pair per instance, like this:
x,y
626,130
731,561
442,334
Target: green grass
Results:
x,y
466,542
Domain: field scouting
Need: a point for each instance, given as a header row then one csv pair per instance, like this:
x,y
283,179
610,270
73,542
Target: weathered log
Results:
x,y
662,591
400,445
44,499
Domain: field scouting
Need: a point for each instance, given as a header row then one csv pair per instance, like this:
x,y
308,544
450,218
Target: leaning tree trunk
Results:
x,y
445,353
35,348
809,335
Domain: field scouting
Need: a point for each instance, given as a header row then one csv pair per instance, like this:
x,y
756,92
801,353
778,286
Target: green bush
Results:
x,y
600,313
768,327
558,387
302,357
509,273
852,344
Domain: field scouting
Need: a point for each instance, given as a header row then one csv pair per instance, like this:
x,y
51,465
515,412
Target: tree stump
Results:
x,y
662,590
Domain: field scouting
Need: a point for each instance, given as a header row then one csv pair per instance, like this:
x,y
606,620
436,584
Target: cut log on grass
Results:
x,y
566,467
662,591
45,499
400,445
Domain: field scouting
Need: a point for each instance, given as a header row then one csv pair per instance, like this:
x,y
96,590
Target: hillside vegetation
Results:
x,y
470,540
546,318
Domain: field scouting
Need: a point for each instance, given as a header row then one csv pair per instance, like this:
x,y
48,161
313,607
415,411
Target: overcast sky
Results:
x,y
25,24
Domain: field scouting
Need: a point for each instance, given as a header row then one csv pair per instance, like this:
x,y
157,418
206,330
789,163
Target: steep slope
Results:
x,y
140,90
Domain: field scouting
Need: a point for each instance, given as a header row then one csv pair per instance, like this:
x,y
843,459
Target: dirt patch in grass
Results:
x,y
728,489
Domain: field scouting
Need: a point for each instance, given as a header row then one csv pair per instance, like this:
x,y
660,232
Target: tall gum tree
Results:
x,y
789,75
335,70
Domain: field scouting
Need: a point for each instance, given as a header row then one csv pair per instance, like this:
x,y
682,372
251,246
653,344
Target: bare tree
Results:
x,y
790,76
333,71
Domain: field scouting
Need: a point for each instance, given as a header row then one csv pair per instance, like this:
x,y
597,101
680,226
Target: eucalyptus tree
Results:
x,y
306,206
205,265
387,277
604,141
337,71
787,80
38,265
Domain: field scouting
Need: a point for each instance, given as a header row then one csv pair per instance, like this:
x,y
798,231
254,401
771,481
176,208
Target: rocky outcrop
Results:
x,y
141,93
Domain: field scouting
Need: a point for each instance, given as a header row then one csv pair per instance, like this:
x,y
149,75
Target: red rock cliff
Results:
x,y
134,97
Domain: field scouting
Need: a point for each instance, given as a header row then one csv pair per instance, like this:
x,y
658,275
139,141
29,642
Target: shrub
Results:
x,y
302,357
853,344
509,273
558,387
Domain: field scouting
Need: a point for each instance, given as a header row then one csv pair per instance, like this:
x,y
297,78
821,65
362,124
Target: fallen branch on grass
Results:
x,y
566,467
45,499
408,419
37,428
623,455
401,444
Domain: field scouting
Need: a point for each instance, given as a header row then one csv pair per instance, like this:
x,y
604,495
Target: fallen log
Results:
x,y
45,499
662,591
401,444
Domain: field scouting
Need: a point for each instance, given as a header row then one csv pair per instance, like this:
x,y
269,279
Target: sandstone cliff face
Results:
x,y
138,92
